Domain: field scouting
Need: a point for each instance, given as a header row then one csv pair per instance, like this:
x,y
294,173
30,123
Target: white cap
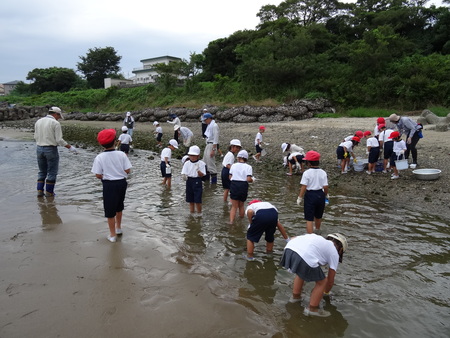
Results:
x,y
184,159
243,154
155,123
56,110
235,142
173,143
128,114
341,239
284,147
176,127
194,150
124,128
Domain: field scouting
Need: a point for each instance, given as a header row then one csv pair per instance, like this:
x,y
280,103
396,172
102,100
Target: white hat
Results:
x,y
284,147
341,239
124,128
235,142
56,110
155,123
128,114
184,159
194,150
176,127
173,143
243,154
394,118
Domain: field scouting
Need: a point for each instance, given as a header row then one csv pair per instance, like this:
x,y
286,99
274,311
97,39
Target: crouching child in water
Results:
x,y
304,256
112,167
193,171
262,218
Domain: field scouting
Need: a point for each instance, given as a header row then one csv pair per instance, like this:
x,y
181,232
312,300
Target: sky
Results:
x,y
55,33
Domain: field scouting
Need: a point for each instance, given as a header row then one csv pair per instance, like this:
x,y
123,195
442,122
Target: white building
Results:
x,y
116,82
147,73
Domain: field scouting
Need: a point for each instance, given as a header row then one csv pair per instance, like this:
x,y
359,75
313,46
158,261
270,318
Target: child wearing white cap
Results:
x,y
158,133
129,123
166,155
241,174
193,171
235,147
124,141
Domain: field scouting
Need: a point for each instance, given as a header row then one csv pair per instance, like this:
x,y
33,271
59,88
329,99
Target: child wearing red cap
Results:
x,y
398,152
344,150
112,167
380,121
258,143
262,218
314,190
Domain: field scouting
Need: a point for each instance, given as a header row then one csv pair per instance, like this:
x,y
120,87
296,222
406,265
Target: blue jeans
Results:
x,y
48,163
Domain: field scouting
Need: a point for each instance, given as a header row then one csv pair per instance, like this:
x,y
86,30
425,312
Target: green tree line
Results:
x,y
383,53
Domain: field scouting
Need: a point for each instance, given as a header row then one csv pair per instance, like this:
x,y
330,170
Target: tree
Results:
x,y
98,64
53,79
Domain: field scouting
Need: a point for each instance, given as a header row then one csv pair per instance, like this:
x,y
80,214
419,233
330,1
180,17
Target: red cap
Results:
x,y
394,134
106,136
356,138
262,128
312,156
367,133
253,201
359,133
381,126
381,120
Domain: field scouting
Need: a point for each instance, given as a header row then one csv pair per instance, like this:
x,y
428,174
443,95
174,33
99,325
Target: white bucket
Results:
x,y
401,164
358,166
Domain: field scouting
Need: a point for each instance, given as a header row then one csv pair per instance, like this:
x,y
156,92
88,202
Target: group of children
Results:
x,y
383,143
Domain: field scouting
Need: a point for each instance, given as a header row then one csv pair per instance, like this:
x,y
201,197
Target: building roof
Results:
x,y
174,58
12,82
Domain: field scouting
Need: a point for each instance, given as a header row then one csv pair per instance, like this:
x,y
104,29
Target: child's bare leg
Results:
x,y
234,207
309,227
250,248
118,220
112,226
297,288
225,194
269,247
317,294
169,182
241,209
191,207
317,222
199,207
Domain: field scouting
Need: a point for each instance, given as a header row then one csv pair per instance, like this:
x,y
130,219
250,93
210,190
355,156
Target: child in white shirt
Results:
x,y
166,170
398,152
241,174
193,171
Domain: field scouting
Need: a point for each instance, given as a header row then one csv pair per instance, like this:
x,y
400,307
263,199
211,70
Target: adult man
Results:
x,y
411,129
185,133
304,255
48,135
212,141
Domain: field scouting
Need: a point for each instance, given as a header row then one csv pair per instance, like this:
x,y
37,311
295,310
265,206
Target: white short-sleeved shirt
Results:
x,y
399,146
348,145
258,138
190,168
293,155
228,159
315,250
259,206
166,152
240,171
159,130
125,138
112,165
384,136
348,138
186,133
314,179
372,142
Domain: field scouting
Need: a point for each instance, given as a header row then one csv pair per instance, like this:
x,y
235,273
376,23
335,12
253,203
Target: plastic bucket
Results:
x,y
358,166
401,164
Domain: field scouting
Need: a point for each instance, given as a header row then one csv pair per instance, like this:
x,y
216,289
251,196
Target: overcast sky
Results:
x,y
55,33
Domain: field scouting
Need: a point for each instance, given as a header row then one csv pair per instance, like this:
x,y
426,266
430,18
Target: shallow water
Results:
x,y
394,281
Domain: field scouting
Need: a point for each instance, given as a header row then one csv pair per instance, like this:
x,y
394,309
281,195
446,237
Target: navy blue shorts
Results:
x,y
225,175
162,166
239,190
374,153
113,196
314,204
264,221
125,148
299,159
258,148
340,152
159,137
388,149
194,190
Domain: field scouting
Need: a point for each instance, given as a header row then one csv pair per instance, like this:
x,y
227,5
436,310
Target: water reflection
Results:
x,y
49,213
